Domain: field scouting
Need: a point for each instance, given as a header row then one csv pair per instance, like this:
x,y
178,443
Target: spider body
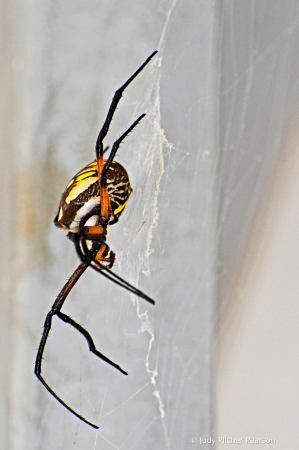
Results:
x,y
80,203
94,198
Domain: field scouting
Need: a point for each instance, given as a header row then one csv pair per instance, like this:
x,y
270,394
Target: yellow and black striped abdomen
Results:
x,y
81,198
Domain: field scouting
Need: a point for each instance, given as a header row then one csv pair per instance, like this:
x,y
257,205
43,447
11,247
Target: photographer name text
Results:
x,y
232,440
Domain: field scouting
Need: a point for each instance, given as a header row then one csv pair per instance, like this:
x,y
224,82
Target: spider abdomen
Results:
x,y
81,198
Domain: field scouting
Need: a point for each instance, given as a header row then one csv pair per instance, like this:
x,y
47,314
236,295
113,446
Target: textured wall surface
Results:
x,y
257,225
67,60
204,165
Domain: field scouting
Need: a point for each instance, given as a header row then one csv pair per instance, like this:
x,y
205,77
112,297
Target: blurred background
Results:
x,y
209,231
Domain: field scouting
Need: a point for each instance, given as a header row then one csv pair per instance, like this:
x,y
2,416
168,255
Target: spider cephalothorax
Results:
x,y
94,198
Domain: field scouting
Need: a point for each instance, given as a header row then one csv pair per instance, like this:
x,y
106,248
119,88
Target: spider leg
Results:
x,y
105,271
90,342
107,256
120,281
117,96
38,367
104,253
93,233
106,209
115,148
57,305
76,240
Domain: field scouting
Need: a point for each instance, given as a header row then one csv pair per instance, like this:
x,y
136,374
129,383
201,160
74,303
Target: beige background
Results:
x,y
257,384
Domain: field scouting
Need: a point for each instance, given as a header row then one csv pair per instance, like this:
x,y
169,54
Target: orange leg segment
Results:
x,y
93,233
105,255
106,209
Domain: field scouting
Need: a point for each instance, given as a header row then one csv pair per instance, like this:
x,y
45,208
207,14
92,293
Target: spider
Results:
x,y
93,199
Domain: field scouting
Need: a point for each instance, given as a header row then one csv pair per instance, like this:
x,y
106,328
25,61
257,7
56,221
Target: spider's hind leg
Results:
x,y
89,339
